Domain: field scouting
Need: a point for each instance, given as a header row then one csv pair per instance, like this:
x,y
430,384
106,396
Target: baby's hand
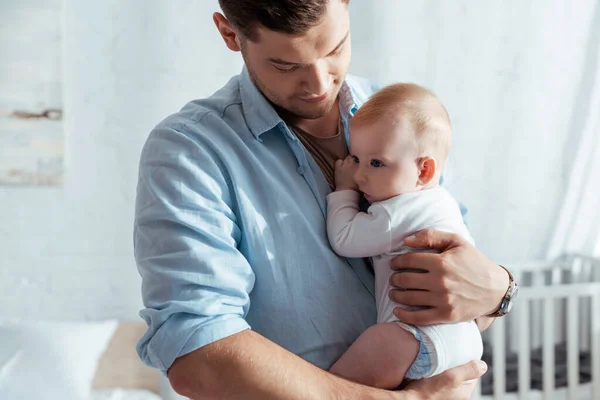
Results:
x,y
344,174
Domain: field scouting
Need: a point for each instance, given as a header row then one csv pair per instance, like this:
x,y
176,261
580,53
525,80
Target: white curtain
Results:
x,y
578,226
520,80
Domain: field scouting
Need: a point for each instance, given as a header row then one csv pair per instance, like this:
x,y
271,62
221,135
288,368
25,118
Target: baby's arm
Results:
x,y
353,233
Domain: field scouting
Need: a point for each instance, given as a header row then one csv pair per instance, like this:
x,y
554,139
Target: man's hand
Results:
x,y
458,284
344,174
457,383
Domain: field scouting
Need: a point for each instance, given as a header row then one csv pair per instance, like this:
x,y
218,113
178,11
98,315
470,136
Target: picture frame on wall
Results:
x,y
31,93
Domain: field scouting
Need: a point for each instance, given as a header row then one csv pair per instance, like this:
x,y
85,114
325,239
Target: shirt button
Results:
x,y
301,170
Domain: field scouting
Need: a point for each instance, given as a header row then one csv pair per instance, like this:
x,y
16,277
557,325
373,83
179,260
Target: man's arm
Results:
x,y
248,366
460,283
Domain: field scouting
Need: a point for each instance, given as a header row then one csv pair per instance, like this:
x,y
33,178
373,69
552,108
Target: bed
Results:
x,y
120,374
75,360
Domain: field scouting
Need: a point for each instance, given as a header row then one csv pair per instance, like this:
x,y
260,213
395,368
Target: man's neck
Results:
x,y
323,127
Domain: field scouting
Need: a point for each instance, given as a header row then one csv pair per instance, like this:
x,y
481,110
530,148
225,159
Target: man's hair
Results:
x,y
294,17
425,113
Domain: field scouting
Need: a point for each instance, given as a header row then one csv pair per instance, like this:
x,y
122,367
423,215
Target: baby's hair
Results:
x,y
420,107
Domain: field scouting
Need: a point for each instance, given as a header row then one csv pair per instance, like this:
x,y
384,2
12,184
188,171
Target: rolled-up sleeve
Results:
x,y
195,282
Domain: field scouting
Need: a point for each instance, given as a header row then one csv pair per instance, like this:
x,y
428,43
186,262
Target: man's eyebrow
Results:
x,y
280,61
283,62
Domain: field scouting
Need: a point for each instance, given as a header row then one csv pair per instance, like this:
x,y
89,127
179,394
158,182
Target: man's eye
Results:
x,y
376,163
338,51
288,68
356,160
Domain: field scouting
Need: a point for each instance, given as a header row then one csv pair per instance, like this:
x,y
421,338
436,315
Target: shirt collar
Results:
x,y
349,101
262,117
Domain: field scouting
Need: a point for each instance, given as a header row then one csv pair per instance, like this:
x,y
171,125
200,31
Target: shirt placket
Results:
x,y
303,168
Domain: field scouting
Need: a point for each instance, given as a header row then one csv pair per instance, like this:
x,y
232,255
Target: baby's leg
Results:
x,y
380,357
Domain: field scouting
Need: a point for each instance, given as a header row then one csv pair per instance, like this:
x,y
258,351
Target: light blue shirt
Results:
x,y
230,233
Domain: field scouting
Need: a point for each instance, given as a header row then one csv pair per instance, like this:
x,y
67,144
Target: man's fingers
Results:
x,y
413,298
410,280
429,316
429,238
415,261
468,372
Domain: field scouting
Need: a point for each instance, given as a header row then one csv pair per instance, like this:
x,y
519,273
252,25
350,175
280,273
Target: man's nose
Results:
x,y
319,80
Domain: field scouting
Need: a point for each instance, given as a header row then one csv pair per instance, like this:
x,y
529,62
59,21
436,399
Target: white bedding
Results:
x,y
123,394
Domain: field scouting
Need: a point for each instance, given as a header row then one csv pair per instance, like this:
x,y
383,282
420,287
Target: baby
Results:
x,y
399,142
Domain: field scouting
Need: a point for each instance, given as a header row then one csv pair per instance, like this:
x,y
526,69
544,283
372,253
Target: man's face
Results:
x,y
302,74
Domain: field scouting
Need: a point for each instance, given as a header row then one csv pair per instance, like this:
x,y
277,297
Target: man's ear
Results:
x,y
229,35
427,168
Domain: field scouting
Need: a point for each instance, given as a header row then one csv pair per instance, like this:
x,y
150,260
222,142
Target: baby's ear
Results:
x,y
427,169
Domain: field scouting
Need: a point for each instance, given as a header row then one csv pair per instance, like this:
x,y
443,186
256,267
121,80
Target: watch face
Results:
x,y
509,307
511,299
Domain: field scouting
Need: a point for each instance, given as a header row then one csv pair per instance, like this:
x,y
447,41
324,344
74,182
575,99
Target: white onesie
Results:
x,y
380,233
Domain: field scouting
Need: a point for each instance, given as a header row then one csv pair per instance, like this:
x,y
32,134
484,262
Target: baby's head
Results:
x,y
400,139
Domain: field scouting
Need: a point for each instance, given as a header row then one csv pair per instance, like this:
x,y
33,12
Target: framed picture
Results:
x,y
31,92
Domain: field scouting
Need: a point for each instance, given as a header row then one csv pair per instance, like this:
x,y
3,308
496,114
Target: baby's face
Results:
x,y
386,158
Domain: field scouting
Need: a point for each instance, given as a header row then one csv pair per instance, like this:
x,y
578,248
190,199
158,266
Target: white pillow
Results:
x,y
51,360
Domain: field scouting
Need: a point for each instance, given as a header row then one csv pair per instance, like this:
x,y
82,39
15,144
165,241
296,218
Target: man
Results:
x,y
244,297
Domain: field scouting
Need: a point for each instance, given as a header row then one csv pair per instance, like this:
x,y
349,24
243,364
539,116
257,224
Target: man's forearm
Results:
x,y
248,366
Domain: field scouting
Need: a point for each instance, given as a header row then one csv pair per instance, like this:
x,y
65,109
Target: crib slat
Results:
x,y
572,346
548,349
537,280
524,350
477,392
581,272
499,363
596,345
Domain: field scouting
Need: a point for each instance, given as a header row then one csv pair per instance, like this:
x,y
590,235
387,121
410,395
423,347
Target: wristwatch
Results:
x,y
509,296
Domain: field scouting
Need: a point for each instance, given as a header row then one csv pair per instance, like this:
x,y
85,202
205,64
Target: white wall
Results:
x,y
65,251
514,91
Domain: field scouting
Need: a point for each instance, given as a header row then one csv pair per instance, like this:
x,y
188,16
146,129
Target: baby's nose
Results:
x,y
359,176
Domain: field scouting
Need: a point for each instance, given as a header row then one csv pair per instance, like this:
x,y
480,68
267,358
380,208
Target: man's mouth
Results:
x,y
314,99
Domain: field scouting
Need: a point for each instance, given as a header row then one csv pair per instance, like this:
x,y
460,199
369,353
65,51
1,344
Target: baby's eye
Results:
x,y
356,159
376,163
